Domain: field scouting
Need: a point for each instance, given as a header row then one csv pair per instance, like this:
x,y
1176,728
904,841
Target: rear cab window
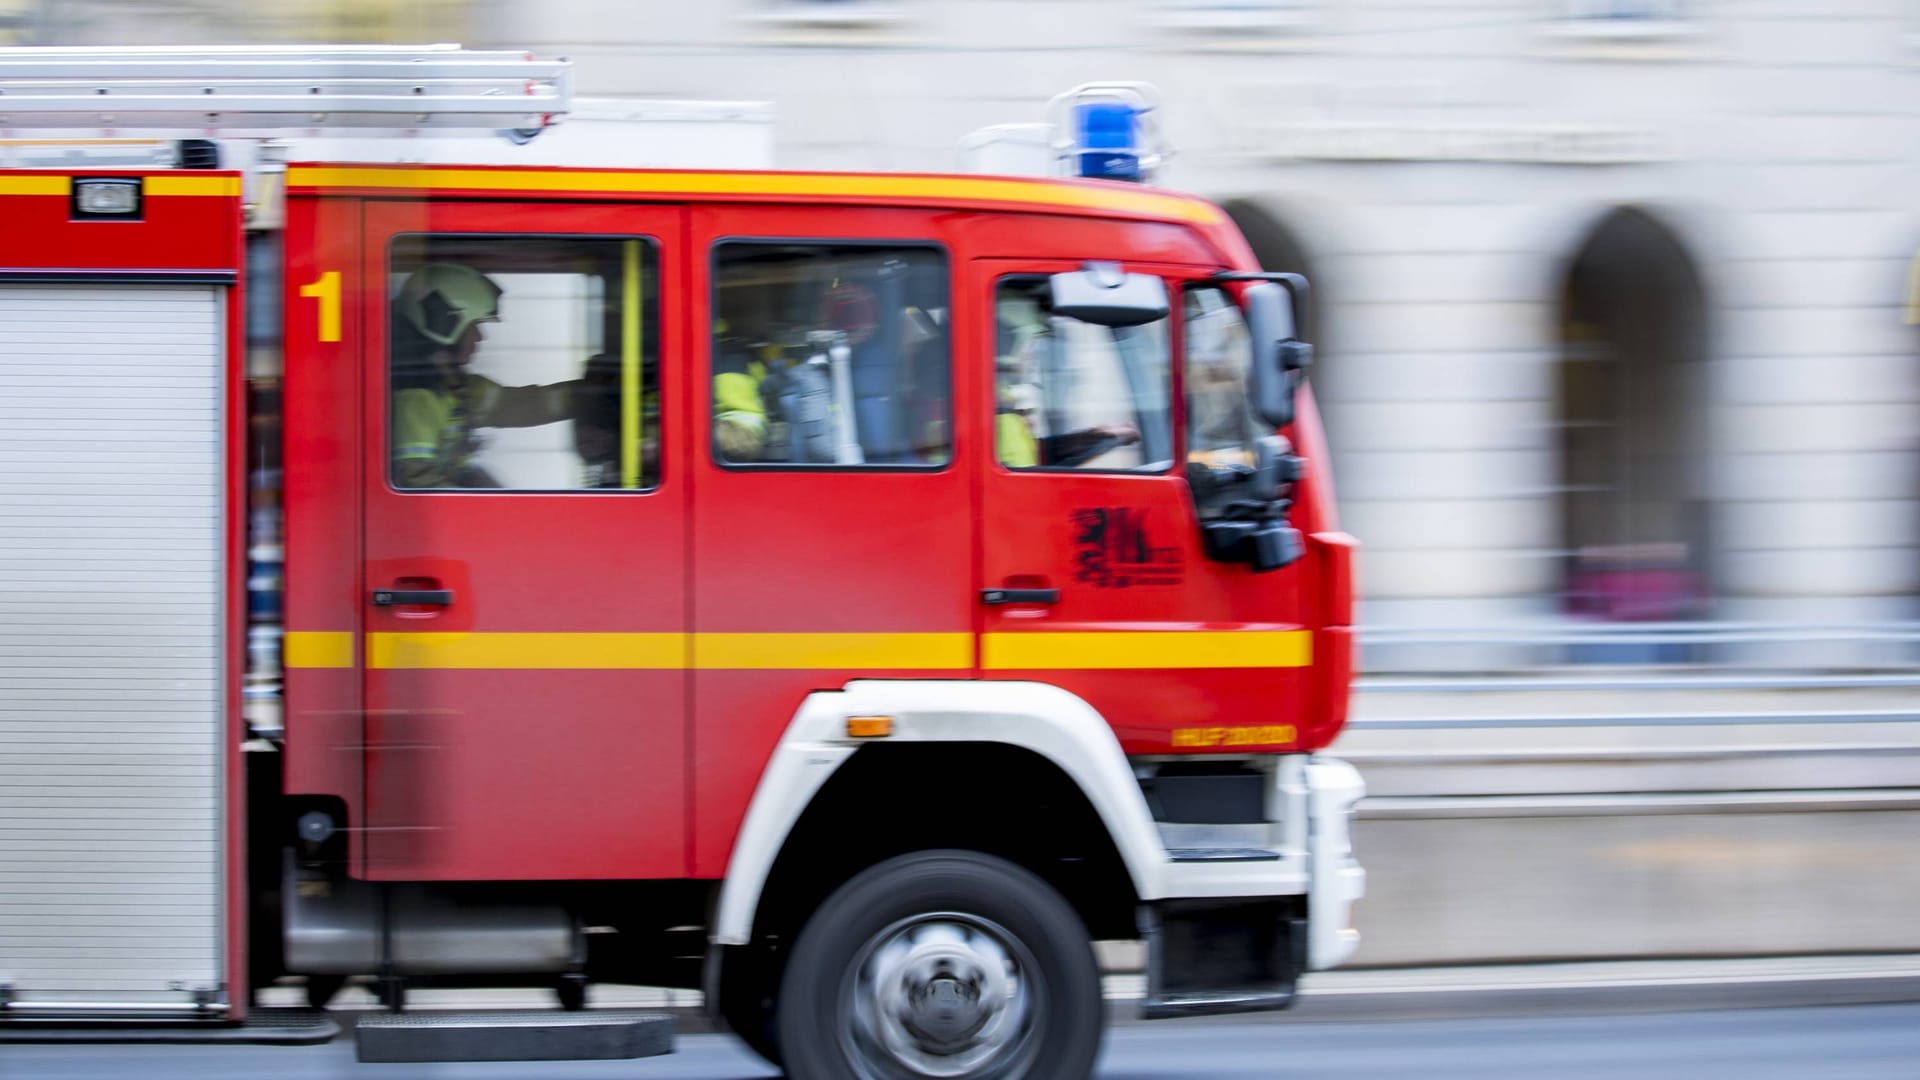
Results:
x,y
831,356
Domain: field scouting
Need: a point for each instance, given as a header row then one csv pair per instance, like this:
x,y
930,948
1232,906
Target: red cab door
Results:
x,y
831,501
523,589
1091,539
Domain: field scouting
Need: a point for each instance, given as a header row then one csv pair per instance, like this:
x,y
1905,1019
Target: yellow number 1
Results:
x,y
327,291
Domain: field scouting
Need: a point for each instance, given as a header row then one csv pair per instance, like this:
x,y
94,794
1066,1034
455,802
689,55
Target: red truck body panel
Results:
x,y
777,583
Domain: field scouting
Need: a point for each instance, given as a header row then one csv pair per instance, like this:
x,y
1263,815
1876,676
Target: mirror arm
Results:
x,y
1295,284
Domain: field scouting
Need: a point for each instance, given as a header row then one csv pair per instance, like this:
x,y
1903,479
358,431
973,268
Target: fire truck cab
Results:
x,y
852,595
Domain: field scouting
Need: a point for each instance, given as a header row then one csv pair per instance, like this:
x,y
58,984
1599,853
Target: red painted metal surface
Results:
x,y
538,772
1029,523
234,517
320,446
1332,560
530,774
810,551
173,233
623,773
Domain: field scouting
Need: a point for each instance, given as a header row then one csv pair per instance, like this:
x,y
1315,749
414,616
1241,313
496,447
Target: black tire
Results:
x,y
959,895
748,980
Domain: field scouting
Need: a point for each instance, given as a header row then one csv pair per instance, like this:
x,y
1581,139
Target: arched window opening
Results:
x,y
1632,436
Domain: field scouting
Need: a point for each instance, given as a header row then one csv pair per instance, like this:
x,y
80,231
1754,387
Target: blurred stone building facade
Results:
x,y
1614,296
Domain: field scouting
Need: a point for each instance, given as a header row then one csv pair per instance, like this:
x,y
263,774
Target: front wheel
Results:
x,y
942,964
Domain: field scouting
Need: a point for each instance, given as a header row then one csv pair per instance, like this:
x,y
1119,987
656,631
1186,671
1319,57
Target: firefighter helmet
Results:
x,y
1020,398
442,300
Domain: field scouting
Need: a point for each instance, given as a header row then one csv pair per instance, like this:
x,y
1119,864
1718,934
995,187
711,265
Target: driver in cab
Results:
x,y
1021,333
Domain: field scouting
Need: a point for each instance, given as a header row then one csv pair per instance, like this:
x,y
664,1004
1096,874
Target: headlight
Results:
x,y
106,197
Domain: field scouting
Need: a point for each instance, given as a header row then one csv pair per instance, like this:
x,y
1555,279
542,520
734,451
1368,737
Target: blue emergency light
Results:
x,y
1108,131
1108,136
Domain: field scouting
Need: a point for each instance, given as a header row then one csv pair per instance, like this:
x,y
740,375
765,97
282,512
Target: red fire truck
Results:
x,y
851,595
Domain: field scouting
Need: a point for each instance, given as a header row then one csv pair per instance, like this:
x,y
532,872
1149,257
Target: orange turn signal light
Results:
x,y
869,727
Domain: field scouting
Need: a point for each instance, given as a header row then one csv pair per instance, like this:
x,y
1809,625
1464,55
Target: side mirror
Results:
x,y
1105,295
1269,544
1276,545
1274,467
1277,352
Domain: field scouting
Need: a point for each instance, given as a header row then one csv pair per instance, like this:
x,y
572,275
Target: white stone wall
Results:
x,y
1441,161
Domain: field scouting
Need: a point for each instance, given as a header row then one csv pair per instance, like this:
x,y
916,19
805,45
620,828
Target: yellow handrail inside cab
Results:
x,y
630,369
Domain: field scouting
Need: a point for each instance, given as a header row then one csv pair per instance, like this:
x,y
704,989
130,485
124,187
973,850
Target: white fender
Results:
x,y
1047,720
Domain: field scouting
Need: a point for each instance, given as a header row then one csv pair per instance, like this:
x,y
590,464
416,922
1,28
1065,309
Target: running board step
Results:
x,y
268,1027
531,1036
1221,854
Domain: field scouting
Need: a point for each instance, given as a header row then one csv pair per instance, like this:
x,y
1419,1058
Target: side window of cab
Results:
x,y
523,363
831,356
1075,395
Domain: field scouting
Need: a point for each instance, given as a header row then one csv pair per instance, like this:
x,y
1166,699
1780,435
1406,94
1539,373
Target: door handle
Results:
x,y
427,597
1019,596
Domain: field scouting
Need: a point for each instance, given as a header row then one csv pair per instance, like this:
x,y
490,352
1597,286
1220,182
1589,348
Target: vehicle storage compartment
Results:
x,y
112,568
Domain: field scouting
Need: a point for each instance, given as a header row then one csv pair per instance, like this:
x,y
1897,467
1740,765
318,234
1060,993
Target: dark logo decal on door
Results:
x,y
1112,550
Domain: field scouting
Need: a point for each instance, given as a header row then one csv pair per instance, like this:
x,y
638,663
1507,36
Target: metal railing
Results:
x,y
1581,632
1565,654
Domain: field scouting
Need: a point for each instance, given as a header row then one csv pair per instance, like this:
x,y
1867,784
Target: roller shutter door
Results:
x,y
110,643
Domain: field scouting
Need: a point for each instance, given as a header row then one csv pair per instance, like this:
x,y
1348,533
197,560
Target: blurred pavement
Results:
x,y
1394,993
1863,1042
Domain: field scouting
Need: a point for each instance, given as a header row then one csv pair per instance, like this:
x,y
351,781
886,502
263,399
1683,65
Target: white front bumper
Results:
x,y
1336,881
1310,827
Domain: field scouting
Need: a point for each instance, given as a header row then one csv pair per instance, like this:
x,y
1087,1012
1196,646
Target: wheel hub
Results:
x,y
943,996
945,1013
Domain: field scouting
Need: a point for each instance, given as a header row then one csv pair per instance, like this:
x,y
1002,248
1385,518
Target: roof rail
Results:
x,y
256,90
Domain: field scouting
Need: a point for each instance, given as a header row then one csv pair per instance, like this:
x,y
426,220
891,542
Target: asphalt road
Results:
x,y
1854,1042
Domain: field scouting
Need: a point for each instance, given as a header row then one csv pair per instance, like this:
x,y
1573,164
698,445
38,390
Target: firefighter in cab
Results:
x,y
437,402
1024,344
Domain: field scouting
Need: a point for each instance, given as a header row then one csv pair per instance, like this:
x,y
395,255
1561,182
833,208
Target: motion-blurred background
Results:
x,y
1615,316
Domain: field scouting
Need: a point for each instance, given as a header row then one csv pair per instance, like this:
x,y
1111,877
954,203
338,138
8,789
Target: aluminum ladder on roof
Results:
x,y
263,91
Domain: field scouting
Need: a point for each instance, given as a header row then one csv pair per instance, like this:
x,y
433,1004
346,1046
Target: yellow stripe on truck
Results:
x,y
612,651
539,652
318,649
894,652
36,185
1090,650
1024,651
851,186
160,184
175,184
